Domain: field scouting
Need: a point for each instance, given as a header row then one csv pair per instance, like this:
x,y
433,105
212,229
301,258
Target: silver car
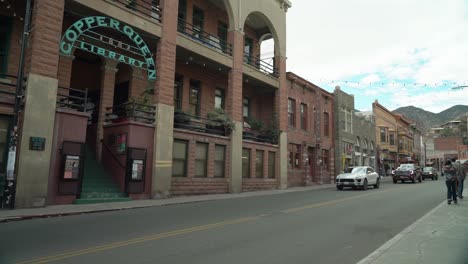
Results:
x,y
361,177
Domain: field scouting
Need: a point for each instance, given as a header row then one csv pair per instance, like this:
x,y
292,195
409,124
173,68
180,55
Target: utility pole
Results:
x,y
10,188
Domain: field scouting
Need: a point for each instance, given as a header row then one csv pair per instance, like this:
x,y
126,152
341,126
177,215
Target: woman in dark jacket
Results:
x,y
450,180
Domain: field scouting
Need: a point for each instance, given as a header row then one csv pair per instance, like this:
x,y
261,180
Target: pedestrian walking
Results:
x,y
463,170
450,180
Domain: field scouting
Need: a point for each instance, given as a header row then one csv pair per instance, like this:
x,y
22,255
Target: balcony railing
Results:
x,y
259,136
264,65
72,99
147,8
204,37
200,124
7,89
131,111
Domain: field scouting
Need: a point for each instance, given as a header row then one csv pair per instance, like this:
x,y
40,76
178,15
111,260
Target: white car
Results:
x,y
361,176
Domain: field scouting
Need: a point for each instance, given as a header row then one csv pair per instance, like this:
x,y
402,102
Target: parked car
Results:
x,y
407,172
361,177
429,172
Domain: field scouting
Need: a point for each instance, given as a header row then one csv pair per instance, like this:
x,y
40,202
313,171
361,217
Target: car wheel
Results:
x,y
364,186
402,181
339,187
377,184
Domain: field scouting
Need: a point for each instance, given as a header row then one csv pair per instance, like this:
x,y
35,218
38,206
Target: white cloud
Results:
x,y
372,78
432,101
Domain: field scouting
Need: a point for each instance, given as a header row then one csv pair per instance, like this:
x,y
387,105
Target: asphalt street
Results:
x,y
319,226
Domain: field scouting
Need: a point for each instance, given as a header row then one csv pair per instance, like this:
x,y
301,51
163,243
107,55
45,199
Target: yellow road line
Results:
x,y
315,205
70,254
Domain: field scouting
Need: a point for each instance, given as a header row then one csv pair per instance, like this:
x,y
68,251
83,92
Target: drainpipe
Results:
x,y
10,188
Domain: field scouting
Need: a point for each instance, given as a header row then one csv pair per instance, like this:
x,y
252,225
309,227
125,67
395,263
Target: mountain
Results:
x,y
425,119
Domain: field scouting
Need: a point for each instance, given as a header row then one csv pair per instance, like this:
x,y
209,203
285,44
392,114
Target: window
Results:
x,y
201,154
182,15
248,50
222,34
178,84
4,123
245,163
271,164
400,144
392,138
357,146
155,9
197,21
194,100
349,121
5,30
383,135
304,116
326,124
259,164
246,107
219,98
291,160
179,158
220,161
291,112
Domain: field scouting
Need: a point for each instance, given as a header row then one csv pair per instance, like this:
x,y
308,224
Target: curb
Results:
x,y
385,247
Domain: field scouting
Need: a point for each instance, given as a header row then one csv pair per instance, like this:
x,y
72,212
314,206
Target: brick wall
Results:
x,y
43,53
253,183
447,143
207,185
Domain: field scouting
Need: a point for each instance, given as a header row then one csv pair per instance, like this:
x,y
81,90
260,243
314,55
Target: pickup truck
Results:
x,y
407,172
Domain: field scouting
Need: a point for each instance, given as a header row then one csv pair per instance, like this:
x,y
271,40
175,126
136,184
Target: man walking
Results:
x,y
450,180
462,171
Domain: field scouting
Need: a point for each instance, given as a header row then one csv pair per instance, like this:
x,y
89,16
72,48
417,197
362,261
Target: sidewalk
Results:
x,y
62,210
441,236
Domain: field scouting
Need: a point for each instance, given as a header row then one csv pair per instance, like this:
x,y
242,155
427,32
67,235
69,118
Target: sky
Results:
x,y
399,52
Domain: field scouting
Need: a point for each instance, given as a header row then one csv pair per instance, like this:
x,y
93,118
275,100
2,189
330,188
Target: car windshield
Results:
x,y
427,169
406,166
359,170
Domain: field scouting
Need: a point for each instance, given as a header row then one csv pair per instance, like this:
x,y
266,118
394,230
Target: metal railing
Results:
x,y
131,111
204,37
259,136
263,65
7,89
72,98
200,124
148,8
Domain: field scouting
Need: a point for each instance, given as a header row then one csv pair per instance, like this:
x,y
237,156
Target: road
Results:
x,y
319,226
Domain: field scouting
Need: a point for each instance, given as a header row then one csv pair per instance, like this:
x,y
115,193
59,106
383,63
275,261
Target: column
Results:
x,y
164,101
281,109
108,72
42,60
234,108
138,83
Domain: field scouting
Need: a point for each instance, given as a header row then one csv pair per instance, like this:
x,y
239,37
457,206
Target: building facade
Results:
x,y
144,99
386,137
354,134
310,115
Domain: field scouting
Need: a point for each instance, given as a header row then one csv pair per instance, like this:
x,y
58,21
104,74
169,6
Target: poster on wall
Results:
x,y
121,143
137,170
72,167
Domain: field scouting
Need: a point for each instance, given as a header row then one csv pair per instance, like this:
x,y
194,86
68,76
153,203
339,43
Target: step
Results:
x,y
97,195
101,200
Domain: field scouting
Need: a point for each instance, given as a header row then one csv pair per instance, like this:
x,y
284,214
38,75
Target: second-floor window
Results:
x,y
326,124
383,135
5,30
248,50
304,116
291,112
392,138
194,100
222,34
219,98
245,107
182,15
178,92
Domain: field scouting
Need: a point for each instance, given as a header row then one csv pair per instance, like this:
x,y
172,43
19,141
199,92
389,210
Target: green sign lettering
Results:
x,y
83,25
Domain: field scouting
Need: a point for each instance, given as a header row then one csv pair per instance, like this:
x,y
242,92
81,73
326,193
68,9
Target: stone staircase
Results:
x,y
98,186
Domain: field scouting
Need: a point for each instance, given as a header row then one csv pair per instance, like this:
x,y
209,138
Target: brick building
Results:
x,y
354,134
121,99
311,155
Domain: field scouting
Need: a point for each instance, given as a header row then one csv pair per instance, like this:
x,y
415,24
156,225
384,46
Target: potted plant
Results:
x,y
181,119
219,120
